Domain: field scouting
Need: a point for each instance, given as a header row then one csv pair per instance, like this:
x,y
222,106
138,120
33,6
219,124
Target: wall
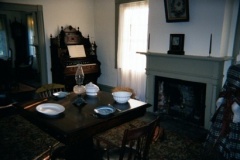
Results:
x,y
57,13
105,37
206,16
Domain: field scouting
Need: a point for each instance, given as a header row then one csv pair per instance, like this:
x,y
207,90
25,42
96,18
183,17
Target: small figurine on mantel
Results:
x,y
223,140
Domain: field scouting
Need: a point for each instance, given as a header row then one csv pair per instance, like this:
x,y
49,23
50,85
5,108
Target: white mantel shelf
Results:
x,y
204,58
201,69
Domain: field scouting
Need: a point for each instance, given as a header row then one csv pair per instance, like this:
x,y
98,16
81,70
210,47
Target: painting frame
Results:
x,y
176,10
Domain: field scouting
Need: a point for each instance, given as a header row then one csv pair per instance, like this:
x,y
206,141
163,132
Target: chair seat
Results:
x,y
117,133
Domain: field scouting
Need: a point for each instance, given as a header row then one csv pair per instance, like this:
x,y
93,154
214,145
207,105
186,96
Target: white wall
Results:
x,y
105,38
57,13
206,16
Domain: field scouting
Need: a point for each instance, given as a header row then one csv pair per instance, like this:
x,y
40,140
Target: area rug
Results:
x,y
172,146
21,140
176,147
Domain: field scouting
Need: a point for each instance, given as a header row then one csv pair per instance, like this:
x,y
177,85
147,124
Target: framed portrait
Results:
x,y
176,45
176,10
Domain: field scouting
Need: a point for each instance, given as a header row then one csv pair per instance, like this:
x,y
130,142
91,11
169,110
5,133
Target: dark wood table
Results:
x,y
77,125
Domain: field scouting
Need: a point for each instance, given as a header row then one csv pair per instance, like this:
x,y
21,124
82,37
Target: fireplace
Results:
x,y
207,71
184,100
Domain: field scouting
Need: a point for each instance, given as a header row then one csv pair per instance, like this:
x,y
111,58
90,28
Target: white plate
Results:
x,y
61,94
50,109
105,110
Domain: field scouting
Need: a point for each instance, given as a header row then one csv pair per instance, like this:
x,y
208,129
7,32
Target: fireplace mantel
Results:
x,y
208,70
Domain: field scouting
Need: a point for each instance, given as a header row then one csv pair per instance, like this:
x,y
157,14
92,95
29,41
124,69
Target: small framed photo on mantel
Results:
x,y
176,45
176,10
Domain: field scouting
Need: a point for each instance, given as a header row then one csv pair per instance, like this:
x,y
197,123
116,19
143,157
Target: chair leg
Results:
x,y
107,152
105,149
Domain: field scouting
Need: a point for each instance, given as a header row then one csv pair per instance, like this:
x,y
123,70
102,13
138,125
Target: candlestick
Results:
x,y
148,45
210,47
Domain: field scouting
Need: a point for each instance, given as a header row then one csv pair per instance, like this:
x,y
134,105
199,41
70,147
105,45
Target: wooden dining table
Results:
x,y
77,124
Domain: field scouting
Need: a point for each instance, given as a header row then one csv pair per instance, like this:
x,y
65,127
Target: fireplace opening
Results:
x,y
180,99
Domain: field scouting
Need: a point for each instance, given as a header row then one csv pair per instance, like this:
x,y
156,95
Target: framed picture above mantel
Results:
x,y
176,10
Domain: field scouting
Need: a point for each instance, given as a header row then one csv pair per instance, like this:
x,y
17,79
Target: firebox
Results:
x,y
180,99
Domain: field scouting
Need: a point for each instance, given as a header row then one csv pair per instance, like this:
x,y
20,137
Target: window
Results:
x,y
131,38
3,38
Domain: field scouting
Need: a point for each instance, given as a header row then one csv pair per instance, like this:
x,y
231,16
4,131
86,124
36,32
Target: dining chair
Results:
x,y
135,143
47,90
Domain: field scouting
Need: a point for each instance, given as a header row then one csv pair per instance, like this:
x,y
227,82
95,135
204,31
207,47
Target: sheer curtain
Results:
x,y
132,37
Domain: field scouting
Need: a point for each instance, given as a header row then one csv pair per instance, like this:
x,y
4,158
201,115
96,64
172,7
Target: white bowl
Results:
x,y
121,96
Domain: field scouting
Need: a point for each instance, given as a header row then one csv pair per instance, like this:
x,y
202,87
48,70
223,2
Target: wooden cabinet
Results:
x,y
64,66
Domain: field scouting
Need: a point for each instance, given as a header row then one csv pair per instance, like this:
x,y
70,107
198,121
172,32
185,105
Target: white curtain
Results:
x,y
132,37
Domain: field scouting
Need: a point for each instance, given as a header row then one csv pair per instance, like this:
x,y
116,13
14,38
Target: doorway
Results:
x,y
28,67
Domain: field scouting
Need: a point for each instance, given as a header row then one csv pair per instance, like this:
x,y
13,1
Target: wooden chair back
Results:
x,y
136,142
47,90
